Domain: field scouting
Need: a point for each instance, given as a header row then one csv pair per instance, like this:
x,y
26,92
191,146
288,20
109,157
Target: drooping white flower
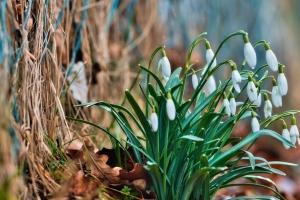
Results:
x,y
249,52
194,80
276,97
251,90
282,82
271,58
209,55
232,104
285,134
154,120
294,132
226,104
268,106
254,123
257,102
211,84
165,65
171,110
236,78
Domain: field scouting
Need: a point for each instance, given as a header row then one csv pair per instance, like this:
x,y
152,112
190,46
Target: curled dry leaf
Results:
x,y
138,172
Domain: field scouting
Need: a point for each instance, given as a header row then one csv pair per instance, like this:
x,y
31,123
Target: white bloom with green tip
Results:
x,y
251,90
209,55
267,107
154,120
171,110
282,82
211,84
249,52
194,80
276,97
165,65
254,123
271,58
286,135
236,78
294,132
226,104
232,104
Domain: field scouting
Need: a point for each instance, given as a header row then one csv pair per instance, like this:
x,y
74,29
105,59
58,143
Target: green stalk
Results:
x,y
165,156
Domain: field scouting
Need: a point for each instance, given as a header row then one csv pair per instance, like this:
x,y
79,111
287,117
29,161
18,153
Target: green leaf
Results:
x,y
251,159
161,86
173,80
192,137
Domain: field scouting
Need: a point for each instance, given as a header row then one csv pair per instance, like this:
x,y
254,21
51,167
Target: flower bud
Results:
x,y
232,104
165,65
171,110
209,55
226,104
285,134
194,80
271,58
154,120
254,123
249,52
294,132
282,82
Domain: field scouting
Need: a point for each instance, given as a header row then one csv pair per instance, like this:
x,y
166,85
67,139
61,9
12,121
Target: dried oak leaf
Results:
x,y
138,172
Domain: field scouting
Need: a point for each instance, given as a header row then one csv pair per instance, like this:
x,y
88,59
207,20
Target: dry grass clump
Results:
x,y
44,39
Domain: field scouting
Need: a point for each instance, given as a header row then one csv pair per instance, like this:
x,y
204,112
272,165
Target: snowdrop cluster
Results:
x,y
292,135
252,85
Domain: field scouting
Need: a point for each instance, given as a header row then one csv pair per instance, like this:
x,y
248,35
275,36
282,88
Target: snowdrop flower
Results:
x,y
154,120
257,102
294,132
232,104
254,123
226,104
276,97
249,52
267,107
282,82
271,58
285,134
194,80
236,78
209,55
251,89
211,84
171,110
165,65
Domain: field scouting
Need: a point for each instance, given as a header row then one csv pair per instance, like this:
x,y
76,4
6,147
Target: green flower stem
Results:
x,y
148,75
165,156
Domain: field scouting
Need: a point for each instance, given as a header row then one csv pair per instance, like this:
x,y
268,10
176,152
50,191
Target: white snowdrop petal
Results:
x,y
276,97
272,60
232,104
282,84
154,121
209,56
286,135
237,87
194,81
251,91
171,110
165,66
257,102
255,125
227,106
268,109
211,84
294,133
236,77
250,55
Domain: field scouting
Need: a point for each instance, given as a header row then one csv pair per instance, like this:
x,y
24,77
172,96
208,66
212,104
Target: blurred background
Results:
x,y
42,41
